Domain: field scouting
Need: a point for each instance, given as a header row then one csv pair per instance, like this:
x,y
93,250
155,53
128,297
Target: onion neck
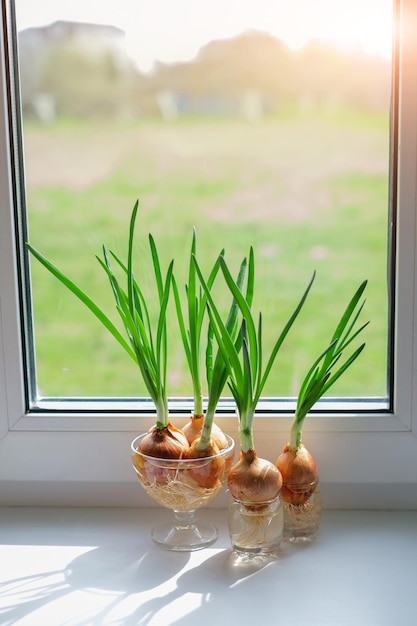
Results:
x,y
246,431
161,414
196,377
205,436
249,455
296,432
198,401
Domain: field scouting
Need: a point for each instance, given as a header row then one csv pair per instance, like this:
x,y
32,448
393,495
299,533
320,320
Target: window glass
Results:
x,y
239,118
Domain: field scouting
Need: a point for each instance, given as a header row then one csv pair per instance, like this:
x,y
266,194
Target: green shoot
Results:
x,y
192,336
216,370
246,376
147,346
322,373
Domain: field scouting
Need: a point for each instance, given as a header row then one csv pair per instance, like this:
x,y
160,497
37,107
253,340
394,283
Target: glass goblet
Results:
x,y
183,485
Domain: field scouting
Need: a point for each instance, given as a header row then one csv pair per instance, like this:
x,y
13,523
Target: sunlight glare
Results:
x,y
173,31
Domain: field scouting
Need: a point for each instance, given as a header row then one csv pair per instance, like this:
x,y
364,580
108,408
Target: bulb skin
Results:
x,y
253,479
193,429
164,443
207,474
299,474
159,444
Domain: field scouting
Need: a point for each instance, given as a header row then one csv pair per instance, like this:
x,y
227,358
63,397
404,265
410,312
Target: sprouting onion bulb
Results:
x,y
145,344
207,475
193,428
205,437
201,431
191,335
251,479
296,464
164,443
299,474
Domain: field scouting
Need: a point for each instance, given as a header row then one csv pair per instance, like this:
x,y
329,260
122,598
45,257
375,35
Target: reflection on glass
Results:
x,y
253,125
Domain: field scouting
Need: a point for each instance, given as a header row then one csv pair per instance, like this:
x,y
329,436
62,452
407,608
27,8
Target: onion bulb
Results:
x,y
164,443
253,479
299,474
206,474
193,429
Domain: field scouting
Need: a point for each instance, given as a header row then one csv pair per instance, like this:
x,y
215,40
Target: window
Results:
x,y
48,455
281,146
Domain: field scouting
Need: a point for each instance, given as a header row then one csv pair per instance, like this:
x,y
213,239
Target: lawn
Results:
x,y
308,192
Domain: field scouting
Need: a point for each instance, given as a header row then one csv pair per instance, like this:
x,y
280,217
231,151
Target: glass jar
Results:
x,y
256,528
302,511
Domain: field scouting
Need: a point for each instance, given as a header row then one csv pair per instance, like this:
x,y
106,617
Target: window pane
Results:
x,y
239,118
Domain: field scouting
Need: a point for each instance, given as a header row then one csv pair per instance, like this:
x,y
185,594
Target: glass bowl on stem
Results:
x,y
183,485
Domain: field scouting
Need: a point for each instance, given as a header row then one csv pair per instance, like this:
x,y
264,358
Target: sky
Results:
x,y
174,30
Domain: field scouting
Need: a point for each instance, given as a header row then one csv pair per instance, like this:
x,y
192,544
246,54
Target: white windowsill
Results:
x,y
92,565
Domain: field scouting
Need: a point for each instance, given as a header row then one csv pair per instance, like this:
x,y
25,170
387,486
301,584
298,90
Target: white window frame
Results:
x,y
365,460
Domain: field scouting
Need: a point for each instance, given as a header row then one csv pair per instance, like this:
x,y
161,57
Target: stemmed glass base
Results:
x,y
185,533
183,485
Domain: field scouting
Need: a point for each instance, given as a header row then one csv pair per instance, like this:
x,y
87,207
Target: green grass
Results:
x,y
307,193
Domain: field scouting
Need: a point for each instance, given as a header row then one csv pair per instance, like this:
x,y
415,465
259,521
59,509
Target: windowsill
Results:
x,y
95,565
